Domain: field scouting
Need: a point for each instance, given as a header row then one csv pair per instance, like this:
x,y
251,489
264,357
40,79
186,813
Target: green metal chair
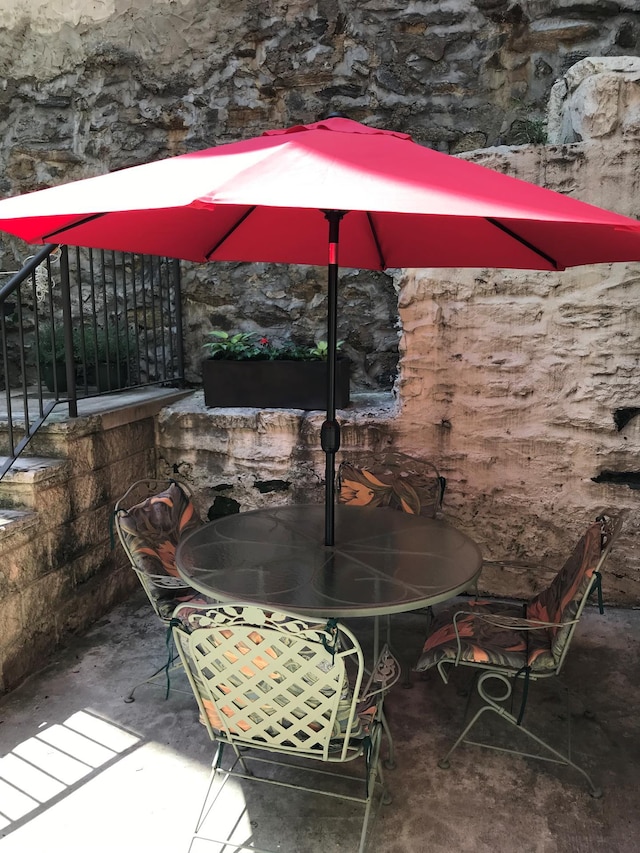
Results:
x,y
398,481
508,643
150,519
277,683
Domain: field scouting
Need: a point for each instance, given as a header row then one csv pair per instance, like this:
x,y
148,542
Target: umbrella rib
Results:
x,y
374,234
524,242
75,224
226,236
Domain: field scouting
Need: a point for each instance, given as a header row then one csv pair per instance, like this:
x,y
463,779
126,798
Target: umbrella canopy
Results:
x,y
294,195
262,199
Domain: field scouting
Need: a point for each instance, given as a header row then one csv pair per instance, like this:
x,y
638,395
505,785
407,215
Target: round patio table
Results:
x,y
383,562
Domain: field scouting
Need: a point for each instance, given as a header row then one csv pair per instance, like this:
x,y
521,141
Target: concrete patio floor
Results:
x,y
83,772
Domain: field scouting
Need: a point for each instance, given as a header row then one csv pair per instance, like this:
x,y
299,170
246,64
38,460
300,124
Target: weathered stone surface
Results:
x,y
597,98
94,86
59,574
230,453
512,381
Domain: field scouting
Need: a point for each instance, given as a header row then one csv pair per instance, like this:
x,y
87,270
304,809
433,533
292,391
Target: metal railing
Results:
x,y
78,323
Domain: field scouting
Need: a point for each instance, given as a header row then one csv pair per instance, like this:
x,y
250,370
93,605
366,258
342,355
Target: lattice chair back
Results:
x,y
284,684
151,518
274,681
393,480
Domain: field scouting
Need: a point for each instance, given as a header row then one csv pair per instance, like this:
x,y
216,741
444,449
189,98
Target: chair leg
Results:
x,y
209,800
405,664
374,777
492,706
390,763
155,681
374,770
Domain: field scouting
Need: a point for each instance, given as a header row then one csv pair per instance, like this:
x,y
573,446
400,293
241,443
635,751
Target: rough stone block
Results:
x,y
597,97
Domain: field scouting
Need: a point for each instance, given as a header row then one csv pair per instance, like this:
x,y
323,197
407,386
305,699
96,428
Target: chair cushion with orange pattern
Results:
x,y
480,641
388,487
559,602
154,527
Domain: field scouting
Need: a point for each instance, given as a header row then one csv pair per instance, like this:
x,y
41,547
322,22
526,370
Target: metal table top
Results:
x,y
384,561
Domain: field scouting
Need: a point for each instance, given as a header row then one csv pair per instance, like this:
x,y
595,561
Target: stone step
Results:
x,y
13,520
20,485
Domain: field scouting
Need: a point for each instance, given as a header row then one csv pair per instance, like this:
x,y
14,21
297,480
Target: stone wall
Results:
x,y
522,387
520,383
92,85
58,571
511,382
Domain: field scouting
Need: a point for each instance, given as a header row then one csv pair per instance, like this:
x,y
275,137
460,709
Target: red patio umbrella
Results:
x,y
293,195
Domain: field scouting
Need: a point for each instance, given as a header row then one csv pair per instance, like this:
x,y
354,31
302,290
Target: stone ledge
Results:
x,y
13,520
35,469
104,413
381,404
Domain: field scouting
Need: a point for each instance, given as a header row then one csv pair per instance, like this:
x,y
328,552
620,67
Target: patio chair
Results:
x,y
277,683
393,480
150,518
507,643
398,481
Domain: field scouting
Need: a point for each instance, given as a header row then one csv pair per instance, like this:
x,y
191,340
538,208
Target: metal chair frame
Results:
x,y
275,682
138,492
505,678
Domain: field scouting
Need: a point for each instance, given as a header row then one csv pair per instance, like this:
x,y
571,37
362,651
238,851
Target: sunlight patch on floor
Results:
x,y
45,767
227,820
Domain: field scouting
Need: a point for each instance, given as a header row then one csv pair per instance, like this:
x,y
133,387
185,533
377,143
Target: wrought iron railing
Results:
x,y
77,323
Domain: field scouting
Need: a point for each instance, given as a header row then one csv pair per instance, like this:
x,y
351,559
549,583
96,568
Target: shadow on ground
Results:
x,y
83,771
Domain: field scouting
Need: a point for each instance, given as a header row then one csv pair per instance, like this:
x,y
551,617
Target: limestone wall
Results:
x,y
58,571
514,380
517,384
92,85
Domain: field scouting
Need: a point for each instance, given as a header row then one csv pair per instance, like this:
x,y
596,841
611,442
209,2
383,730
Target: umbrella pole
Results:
x,y
330,432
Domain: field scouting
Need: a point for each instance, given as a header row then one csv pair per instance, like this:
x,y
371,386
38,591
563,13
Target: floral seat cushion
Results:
x,y
510,635
152,530
559,602
481,641
388,486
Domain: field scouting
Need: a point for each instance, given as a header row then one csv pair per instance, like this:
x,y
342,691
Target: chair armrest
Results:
x,y
384,675
518,622
544,573
521,564
506,622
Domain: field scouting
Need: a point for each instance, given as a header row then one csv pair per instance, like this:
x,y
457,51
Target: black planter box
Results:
x,y
273,384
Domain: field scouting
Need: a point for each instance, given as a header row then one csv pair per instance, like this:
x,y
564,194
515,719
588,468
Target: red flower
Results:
x,y
264,341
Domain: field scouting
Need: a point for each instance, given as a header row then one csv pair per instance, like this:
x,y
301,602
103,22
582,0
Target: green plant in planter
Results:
x,y
106,352
238,347
244,369
247,346
51,356
50,344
